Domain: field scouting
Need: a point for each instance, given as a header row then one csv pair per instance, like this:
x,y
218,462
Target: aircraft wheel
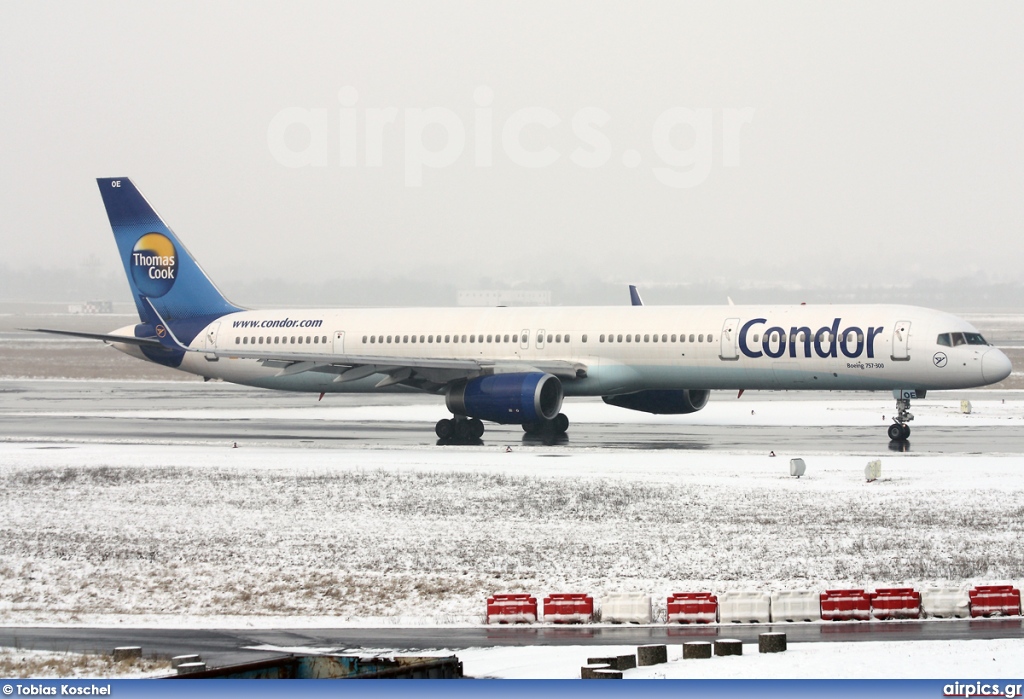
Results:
x,y
896,432
906,431
560,424
463,430
444,429
476,427
532,427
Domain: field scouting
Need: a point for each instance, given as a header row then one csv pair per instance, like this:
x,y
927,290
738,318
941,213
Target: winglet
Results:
x,y
634,296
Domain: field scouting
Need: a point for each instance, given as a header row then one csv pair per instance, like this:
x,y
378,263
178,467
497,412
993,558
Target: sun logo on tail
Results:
x,y
154,264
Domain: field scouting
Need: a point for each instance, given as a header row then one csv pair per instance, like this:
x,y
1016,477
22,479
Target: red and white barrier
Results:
x,y
896,603
845,605
995,600
626,608
945,602
744,607
796,605
516,608
568,608
692,608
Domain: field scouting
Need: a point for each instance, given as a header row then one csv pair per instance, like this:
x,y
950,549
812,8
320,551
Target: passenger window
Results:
x,y
506,338
712,339
629,338
566,338
618,338
316,340
261,340
691,338
599,339
463,339
700,338
447,338
245,340
647,338
673,338
421,339
472,338
373,338
558,338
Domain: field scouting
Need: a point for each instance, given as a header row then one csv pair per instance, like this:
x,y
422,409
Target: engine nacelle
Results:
x,y
667,402
508,399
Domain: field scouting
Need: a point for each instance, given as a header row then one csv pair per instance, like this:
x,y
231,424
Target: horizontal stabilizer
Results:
x,y
140,341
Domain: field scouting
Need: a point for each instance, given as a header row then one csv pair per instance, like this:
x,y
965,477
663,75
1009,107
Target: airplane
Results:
x,y
515,365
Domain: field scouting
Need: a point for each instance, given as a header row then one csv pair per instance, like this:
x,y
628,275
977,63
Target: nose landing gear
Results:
x,y
899,430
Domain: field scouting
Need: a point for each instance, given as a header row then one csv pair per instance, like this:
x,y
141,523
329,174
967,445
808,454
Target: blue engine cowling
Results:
x,y
667,402
508,399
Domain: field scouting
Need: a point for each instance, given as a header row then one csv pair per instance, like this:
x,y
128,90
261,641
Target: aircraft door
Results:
x,y
339,342
901,341
729,340
524,339
210,340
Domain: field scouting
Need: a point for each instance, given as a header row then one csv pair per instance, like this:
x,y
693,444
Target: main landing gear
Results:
x,y
899,430
459,429
557,425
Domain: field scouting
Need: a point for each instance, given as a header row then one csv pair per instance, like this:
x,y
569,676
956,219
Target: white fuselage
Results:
x,y
624,349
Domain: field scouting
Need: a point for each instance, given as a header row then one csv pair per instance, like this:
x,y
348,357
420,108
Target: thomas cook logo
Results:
x,y
154,264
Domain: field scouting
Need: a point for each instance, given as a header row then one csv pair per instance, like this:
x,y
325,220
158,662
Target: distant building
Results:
x,y
503,297
92,307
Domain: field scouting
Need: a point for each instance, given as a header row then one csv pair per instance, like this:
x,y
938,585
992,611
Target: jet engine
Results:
x,y
508,399
666,402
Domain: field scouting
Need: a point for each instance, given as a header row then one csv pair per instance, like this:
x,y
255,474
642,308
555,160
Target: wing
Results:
x,y
428,374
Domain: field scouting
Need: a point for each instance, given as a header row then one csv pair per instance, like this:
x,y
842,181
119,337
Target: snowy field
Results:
x,y
213,536
882,660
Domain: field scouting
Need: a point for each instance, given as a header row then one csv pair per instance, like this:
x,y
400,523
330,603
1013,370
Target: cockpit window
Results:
x,y
957,339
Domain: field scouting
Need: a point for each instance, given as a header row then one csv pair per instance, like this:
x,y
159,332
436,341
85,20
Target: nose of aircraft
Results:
x,y
995,366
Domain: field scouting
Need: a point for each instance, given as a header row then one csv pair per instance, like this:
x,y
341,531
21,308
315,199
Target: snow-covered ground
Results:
x,y
213,536
966,660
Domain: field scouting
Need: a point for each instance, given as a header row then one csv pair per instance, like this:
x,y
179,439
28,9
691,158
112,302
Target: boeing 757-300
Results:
x,y
515,365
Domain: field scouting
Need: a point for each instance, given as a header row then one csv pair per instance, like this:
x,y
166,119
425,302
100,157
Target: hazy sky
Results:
x,y
655,142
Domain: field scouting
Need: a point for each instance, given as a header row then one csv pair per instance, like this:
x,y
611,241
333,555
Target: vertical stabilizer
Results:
x,y
158,266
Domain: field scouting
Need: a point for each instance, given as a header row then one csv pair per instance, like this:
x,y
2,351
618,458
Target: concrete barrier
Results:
x,y
651,655
728,646
127,653
696,650
774,642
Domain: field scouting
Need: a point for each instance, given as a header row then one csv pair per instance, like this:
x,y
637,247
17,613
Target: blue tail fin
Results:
x,y
158,266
